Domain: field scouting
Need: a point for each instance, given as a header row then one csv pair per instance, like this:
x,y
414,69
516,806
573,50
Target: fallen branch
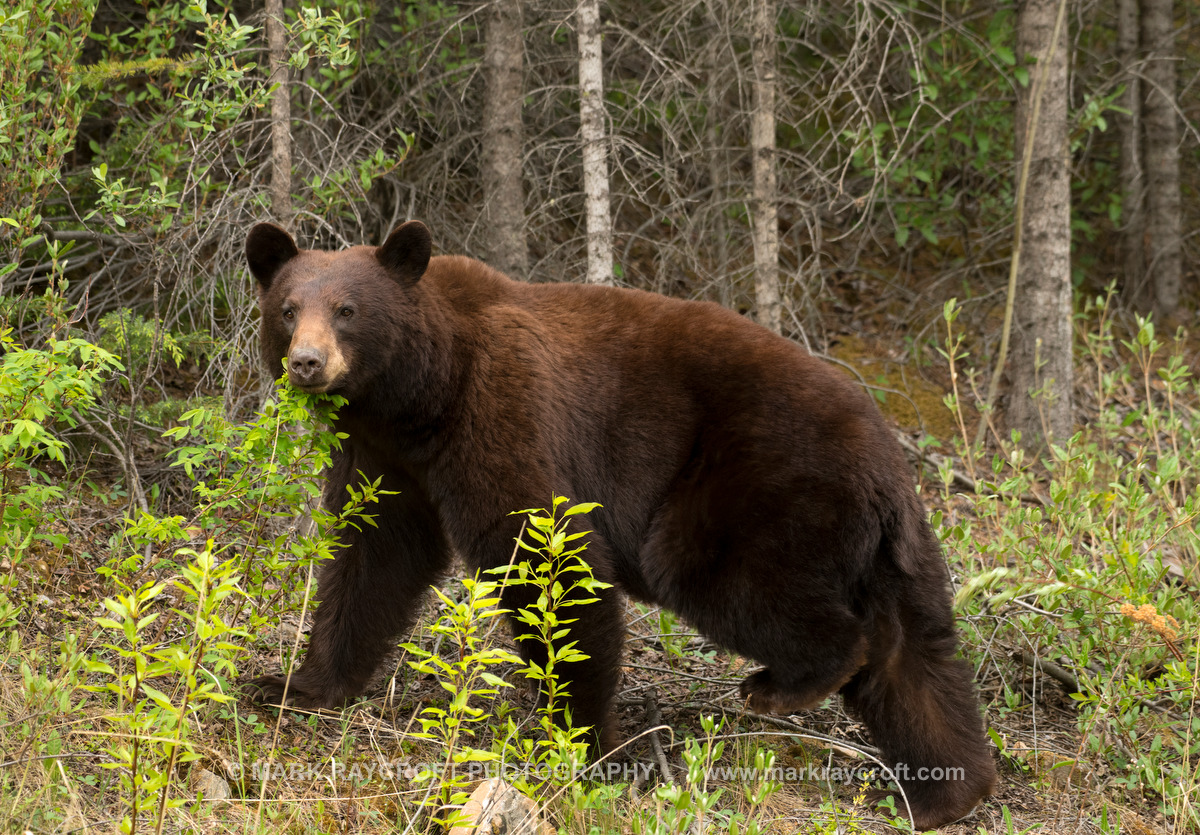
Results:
x,y
654,720
1049,668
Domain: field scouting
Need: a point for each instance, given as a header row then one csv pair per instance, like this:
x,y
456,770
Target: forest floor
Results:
x,y
352,771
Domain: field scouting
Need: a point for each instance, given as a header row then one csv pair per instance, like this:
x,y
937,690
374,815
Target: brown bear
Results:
x,y
744,484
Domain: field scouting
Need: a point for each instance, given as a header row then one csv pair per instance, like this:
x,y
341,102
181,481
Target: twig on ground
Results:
x,y
654,719
1049,668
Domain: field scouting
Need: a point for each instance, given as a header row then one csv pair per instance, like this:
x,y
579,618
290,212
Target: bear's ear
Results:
x,y
267,249
405,254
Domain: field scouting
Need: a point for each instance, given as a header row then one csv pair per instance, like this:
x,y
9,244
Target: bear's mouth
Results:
x,y
312,386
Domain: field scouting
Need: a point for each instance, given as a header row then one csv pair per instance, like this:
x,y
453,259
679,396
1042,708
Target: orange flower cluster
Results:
x,y
1164,625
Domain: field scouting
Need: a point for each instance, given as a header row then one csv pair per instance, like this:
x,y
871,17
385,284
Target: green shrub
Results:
x,y
41,390
1077,559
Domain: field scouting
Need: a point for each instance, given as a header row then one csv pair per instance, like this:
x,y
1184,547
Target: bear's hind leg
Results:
x,y
921,709
802,681
763,574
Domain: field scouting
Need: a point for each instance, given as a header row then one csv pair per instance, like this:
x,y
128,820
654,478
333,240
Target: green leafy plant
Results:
x,y
143,173
465,677
1070,556
695,806
560,576
159,686
40,106
250,482
672,642
41,389
248,478
49,682
546,763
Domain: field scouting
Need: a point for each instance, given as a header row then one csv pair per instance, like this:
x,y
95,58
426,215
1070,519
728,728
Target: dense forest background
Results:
x,y
981,210
894,153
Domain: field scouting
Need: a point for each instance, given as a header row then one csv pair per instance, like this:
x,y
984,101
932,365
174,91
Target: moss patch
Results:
x,y
912,397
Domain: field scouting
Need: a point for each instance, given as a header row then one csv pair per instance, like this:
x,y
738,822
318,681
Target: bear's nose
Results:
x,y
306,364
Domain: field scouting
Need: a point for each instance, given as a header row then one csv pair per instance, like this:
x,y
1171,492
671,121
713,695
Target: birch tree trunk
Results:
x,y
762,146
1160,156
716,65
593,132
1042,370
503,140
281,115
1134,289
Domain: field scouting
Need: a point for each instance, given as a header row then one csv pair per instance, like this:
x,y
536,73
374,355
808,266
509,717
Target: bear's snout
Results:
x,y
306,367
314,365
316,362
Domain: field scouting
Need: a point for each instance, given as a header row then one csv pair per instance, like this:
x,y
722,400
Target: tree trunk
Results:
x,y
503,140
762,146
281,116
593,132
716,65
1042,371
1160,155
1134,289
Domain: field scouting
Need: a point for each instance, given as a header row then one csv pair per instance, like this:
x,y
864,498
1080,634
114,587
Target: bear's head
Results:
x,y
335,319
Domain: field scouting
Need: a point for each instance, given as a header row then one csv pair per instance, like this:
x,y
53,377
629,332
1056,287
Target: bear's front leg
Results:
x,y
368,595
590,685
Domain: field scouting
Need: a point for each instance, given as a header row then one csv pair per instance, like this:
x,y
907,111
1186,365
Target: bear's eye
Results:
x,y
346,312
289,315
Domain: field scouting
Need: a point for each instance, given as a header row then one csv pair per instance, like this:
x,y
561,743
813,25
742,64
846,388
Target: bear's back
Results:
x,y
625,354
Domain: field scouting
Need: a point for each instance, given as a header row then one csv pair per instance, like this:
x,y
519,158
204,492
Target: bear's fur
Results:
x,y
744,484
